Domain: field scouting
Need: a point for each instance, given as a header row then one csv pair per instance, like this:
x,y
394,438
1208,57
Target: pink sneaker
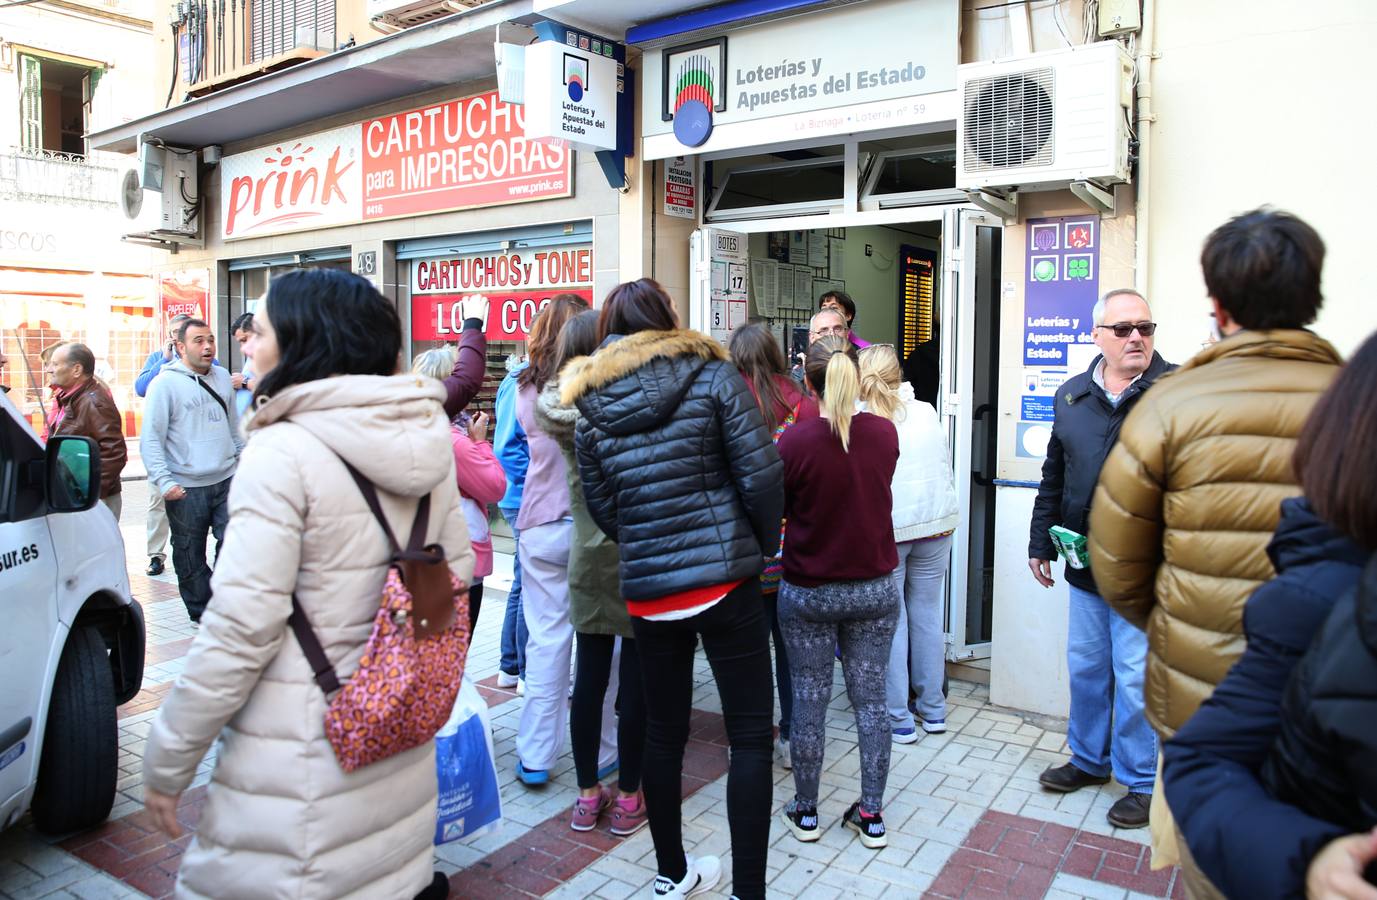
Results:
x,y
628,815
587,810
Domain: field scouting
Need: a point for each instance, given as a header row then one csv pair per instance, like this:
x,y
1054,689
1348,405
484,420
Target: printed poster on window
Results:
x,y
183,292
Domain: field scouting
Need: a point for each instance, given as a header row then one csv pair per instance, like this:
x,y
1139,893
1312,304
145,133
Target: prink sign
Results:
x,y
1061,284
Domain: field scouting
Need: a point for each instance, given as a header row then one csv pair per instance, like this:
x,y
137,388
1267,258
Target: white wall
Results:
x,y
1271,106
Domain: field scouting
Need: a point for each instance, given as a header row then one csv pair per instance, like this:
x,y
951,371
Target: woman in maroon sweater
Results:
x,y
760,359
837,588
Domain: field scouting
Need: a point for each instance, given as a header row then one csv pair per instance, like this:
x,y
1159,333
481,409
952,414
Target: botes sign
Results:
x,y
518,286
459,154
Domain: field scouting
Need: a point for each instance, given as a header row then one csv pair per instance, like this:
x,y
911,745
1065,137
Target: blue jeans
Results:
x,y
514,632
1106,658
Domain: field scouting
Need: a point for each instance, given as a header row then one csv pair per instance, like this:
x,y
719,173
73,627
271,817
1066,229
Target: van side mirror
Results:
x,y
73,473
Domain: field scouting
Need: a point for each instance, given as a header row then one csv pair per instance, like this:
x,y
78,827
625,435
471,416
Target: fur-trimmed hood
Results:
x,y
634,383
558,419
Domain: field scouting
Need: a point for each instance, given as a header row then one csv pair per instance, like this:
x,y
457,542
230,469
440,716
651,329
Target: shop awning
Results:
x,y
449,51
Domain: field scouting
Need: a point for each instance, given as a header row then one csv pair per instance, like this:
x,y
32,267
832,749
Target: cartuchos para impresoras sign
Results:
x,y
459,154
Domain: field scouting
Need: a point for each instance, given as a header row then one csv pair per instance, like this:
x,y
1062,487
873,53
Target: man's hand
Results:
x,y
176,492
474,306
1042,571
162,809
478,427
170,351
237,380
1336,872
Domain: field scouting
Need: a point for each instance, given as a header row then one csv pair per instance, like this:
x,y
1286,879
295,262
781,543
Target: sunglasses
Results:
x,y
1124,329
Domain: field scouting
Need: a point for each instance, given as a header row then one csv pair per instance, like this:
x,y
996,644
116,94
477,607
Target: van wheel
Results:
x,y
76,774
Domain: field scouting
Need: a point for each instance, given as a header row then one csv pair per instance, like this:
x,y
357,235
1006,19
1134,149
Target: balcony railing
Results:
x,y
45,176
226,41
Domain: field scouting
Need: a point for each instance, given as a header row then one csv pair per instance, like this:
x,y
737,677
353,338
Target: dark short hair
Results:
x,y
242,323
632,306
1333,459
188,323
846,302
1264,269
81,355
328,322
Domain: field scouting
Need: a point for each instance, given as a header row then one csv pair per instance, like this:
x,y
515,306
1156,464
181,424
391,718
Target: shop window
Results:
x,y
55,104
911,175
810,186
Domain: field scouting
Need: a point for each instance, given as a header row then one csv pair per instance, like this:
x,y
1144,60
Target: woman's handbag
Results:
x,y
404,688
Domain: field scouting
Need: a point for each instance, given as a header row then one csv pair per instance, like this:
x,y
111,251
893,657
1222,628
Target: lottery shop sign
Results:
x,y
458,154
518,285
1060,287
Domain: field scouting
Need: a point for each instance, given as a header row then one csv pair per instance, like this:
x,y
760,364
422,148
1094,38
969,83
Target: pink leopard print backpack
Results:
x,y
405,685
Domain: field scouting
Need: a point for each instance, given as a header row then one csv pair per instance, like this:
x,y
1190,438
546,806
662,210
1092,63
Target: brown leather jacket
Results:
x,y
1188,500
91,412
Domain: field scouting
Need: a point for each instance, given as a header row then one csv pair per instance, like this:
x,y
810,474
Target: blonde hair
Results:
x,y
830,368
437,363
880,379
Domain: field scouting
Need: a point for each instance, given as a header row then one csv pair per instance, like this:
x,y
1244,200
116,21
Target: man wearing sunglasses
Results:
x,y
1106,656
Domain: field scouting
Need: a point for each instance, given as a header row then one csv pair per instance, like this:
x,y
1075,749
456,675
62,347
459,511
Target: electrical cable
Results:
x,y
171,88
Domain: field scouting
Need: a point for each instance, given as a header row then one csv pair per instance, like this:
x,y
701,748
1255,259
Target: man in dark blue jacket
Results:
x,y
1105,654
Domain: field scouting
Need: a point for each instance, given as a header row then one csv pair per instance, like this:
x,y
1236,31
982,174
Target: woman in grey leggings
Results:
x,y
838,588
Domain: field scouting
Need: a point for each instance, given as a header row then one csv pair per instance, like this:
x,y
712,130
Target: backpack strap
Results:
x,y
325,674
370,496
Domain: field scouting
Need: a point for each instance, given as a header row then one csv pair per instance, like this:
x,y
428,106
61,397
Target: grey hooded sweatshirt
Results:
x,y
188,439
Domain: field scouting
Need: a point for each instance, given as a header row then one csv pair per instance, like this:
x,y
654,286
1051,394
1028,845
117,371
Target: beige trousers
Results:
x,y
115,502
158,530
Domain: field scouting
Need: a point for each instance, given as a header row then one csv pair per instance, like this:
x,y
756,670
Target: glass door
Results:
x,y
968,403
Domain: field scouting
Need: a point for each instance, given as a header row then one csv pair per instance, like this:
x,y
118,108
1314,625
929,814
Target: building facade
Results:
x,y
65,274
889,148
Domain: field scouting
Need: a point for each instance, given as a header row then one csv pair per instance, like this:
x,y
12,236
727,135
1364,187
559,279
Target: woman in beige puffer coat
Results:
x,y
281,818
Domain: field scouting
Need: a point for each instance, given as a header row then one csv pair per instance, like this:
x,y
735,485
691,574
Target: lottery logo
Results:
x,y
693,100
575,76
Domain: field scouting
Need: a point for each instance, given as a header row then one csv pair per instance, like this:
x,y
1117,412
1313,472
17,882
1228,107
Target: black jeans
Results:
x,y
475,604
202,510
737,643
784,682
592,672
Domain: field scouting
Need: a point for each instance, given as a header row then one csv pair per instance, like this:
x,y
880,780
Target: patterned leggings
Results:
x,y
858,616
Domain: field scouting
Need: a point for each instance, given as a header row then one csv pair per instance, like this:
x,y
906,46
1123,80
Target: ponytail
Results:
x,y
880,379
831,369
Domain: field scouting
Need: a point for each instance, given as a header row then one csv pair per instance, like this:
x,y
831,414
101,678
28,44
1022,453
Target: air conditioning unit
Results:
x,y
169,213
391,15
1045,120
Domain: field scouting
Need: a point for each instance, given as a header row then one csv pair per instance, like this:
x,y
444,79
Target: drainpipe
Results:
x,y
1143,126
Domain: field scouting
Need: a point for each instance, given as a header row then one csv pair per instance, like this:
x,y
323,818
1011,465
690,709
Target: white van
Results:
x,y
72,640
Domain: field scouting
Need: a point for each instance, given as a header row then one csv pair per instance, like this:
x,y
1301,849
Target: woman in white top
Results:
x,y
925,517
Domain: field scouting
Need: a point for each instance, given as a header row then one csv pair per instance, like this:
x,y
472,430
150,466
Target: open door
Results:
x,y
719,289
968,403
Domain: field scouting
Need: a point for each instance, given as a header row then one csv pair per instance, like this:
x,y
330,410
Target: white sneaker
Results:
x,y
521,687
703,874
504,680
784,757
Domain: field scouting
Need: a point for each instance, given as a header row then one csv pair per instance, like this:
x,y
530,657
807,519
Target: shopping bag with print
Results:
x,y
469,801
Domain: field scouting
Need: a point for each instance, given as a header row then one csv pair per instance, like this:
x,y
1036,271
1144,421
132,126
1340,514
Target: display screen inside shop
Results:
x,y
518,285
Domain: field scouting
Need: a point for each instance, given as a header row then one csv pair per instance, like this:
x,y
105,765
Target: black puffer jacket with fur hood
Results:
x,y
677,465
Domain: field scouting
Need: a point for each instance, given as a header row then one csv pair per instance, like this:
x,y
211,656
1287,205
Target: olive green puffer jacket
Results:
x,y
595,601
1188,501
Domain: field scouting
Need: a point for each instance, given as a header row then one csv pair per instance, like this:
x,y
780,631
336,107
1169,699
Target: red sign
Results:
x,y
186,292
455,155
436,317
518,285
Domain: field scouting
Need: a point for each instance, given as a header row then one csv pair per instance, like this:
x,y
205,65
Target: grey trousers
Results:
x,y
858,616
918,657
158,529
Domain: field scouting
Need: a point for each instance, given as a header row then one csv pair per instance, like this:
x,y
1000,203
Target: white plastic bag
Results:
x,y
469,800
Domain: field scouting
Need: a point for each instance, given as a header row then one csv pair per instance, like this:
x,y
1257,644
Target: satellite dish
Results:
x,y
131,194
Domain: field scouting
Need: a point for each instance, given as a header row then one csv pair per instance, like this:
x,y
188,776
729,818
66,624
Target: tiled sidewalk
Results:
x,y
966,816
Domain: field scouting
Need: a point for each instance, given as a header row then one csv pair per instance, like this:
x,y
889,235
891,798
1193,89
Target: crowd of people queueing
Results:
x,y
666,492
